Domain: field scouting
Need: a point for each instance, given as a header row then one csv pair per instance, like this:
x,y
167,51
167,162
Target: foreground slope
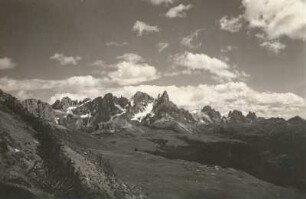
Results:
x,y
34,162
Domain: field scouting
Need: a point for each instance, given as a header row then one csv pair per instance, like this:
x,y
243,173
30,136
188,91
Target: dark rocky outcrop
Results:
x,y
164,109
236,117
39,109
213,116
64,103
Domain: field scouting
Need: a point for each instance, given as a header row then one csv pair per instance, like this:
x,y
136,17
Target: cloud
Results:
x,y
131,57
100,63
160,2
226,97
116,44
132,70
66,60
233,24
178,11
141,28
227,49
6,63
274,46
161,46
220,70
188,41
277,18
45,89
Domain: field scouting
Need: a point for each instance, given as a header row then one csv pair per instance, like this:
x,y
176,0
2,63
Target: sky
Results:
x,y
231,54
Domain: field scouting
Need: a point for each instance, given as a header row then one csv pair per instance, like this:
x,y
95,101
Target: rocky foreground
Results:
x,y
111,147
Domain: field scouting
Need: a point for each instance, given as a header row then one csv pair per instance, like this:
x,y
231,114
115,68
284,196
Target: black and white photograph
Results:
x,y
152,99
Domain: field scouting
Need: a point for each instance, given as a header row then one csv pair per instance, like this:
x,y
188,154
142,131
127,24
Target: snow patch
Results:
x,y
142,114
88,115
120,107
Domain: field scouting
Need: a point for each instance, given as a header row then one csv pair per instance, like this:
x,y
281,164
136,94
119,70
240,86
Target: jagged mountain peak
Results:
x,y
164,97
209,115
139,97
236,116
64,103
251,116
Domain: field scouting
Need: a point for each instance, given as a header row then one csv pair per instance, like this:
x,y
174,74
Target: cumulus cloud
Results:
x,y
66,60
277,18
220,70
226,97
231,24
45,89
189,40
141,28
116,44
160,2
161,46
227,49
132,69
274,46
100,63
6,63
178,11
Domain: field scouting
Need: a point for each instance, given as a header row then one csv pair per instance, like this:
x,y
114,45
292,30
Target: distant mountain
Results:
x,y
111,114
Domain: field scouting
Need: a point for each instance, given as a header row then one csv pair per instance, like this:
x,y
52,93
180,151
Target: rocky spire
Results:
x,y
236,116
251,117
213,115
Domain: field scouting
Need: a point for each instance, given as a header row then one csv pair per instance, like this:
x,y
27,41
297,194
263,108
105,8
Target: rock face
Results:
x,y
164,109
212,116
236,117
64,103
91,114
39,109
251,117
141,106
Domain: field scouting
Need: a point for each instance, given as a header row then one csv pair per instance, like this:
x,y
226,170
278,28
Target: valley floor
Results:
x,y
138,159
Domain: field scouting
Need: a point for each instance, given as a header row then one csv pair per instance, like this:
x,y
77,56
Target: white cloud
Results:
x,y
274,46
116,44
6,63
141,28
226,97
131,57
233,24
66,60
220,70
178,11
277,18
161,46
45,89
188,41
100,63
160,2
132,70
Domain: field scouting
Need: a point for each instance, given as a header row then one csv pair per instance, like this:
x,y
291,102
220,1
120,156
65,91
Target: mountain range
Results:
x,y
114,147
104,113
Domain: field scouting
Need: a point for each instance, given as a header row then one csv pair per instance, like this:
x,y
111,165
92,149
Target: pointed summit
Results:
x,y
141,97
165,96
64,103
251,117
236,116
210,115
